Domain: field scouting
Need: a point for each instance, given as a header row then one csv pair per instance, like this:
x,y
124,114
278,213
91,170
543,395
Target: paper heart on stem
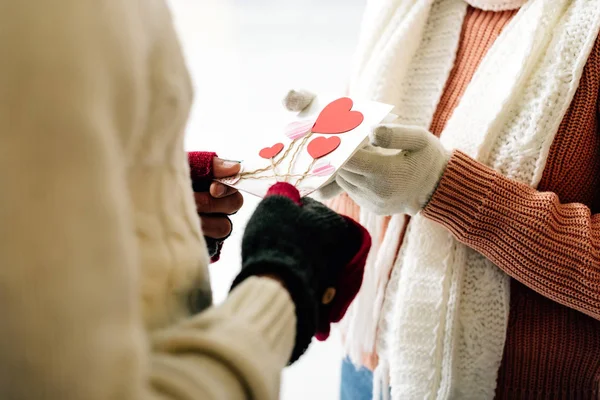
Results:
x,y
322,146
338,117
323,168
270,152
298,129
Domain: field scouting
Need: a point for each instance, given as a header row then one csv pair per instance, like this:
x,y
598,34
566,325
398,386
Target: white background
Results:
x,y
243,56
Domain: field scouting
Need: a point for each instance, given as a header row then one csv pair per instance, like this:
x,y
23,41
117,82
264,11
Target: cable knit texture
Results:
x,y
516,137
100,244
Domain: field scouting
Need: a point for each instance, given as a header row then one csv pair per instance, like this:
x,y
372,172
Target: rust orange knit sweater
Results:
x,y
548,239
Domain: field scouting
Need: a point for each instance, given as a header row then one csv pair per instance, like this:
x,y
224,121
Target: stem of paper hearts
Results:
x,y
274,170
306,173
287,151
296,152
255,172
273,166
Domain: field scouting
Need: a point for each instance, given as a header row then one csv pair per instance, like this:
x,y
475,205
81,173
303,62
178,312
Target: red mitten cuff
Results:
x,y
201,168
348,283
286,190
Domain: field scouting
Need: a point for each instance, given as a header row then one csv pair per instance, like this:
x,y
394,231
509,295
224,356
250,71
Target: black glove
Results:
x,y
311,249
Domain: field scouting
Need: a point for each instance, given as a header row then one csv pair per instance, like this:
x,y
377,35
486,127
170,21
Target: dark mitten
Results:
x,y
201,172
309,247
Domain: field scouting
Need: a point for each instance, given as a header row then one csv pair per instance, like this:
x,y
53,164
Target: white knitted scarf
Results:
x,y
442,315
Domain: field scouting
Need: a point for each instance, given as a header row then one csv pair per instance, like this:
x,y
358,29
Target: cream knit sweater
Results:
x,y
100,245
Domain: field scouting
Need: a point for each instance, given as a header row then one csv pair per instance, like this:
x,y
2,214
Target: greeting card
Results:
x,y
312,147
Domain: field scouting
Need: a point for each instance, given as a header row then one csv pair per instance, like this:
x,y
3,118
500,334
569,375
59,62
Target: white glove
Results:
x,y
298,100
397,173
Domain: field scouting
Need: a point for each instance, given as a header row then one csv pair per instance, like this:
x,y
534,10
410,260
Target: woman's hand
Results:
x,y
317,255
214,201
219,201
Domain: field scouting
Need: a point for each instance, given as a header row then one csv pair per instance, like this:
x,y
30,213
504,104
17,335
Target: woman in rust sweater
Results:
x,y
486,282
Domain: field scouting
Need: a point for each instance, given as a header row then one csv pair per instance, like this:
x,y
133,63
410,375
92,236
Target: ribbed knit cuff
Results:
x,y
267,307
301,294
461,193
259,309
251,335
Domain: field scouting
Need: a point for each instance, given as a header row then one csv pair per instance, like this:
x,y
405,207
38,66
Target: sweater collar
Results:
x,y
496,5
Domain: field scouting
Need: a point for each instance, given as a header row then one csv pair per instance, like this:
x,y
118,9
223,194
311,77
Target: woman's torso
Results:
x,y
551,350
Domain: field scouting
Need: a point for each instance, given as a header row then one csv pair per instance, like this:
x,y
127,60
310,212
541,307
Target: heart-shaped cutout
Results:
x,y
321,146
270,152
338,117
323,168
298,129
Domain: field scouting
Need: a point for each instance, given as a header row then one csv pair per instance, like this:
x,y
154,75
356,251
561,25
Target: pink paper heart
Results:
x,y
323,168
298,129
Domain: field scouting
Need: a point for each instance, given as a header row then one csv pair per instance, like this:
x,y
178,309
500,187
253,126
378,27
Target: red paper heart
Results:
x,y
322,146
270,152
337,117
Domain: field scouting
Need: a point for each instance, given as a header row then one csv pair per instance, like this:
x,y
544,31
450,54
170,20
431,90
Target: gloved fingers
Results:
x,y
316,211
354,179
400,137
364,162
352,190
298,100
330,191
313,205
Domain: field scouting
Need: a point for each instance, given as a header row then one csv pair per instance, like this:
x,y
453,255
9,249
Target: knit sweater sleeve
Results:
x,y
71,323
551,247
234,351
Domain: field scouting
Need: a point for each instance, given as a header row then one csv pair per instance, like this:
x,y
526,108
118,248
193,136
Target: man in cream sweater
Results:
x,y
100,243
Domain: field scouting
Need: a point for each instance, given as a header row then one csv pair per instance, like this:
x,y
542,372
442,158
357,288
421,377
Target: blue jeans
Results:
x,y
357,384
